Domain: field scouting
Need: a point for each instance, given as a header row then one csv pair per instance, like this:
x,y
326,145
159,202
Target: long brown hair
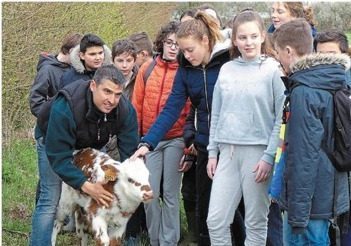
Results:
x,y
243,17
201,25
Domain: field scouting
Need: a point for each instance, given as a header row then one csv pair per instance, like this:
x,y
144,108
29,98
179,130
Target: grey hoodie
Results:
x,y
247,105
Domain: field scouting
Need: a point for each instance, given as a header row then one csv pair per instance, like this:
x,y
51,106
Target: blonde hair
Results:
x,y
201,25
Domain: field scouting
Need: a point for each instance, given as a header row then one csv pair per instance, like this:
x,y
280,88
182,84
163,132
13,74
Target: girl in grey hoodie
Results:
x,y
245,122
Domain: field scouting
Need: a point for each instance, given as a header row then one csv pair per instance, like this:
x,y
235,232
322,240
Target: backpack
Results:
x,y
148,71
341,155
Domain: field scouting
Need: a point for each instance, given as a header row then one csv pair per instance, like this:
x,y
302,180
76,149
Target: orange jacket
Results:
x,y
150,97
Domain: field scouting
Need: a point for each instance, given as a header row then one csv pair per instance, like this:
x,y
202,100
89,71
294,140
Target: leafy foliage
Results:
x,y
30,28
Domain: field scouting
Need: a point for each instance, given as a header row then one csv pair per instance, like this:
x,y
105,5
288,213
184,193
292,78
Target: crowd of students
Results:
x,y
207,101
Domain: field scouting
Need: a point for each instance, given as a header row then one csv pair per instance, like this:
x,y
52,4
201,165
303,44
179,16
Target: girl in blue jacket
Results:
x,y
203,53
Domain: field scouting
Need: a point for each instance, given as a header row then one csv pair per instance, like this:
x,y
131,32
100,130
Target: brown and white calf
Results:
x,y
128,181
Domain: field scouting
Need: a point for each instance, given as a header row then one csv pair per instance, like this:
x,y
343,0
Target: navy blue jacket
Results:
x,y
196,83
309,176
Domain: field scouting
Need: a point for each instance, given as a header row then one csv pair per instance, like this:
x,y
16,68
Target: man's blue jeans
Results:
x,y
50,190
316,233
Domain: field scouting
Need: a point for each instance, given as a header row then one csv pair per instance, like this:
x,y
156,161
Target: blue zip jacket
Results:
x,y
196,83
312,186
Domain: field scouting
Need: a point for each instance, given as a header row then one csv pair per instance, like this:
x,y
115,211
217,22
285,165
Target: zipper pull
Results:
x,y
105,117
98,134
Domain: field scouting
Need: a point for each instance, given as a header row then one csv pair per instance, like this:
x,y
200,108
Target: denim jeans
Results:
x,y
275,226
316,233
45,210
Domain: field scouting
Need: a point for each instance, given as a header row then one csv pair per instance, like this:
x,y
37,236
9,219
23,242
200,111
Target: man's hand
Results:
x,y
211,167
98,193
142,151
263,171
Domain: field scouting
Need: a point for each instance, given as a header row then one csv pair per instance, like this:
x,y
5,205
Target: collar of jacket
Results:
x,y
170,64
94,114
77,63
316,59
216,59
320,71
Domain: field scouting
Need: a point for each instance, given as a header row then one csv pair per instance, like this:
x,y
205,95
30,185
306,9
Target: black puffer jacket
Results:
x,y
46,82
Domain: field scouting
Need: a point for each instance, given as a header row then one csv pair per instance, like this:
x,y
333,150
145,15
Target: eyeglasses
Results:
x,y
169,43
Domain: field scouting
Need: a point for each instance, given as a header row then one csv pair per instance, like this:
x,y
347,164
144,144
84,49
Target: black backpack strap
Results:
x,y
148,71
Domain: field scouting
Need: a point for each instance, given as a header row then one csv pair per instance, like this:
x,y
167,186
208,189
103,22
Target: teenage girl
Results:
x,y
203,52
245,122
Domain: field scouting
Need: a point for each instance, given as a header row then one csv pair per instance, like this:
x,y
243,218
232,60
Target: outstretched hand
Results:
x,y
142,151
98,193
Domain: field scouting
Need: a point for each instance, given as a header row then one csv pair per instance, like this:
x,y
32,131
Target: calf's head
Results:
x,y
134,179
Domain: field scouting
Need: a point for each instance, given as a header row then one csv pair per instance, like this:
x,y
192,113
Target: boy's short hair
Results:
x,y
142,42
90,40
296,34
70,41
124,45
109,72
334,36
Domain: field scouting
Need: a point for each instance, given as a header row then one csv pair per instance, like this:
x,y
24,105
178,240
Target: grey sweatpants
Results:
x,y
162,217
233,179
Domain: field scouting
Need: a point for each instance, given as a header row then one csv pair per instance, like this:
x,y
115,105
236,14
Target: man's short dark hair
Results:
x,y
124,45
296,34
142,42
109,72
70,41
334,36
90,40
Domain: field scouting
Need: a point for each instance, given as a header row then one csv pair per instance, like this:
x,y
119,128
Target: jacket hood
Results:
x,y
323,71
79,66
49,59
218,49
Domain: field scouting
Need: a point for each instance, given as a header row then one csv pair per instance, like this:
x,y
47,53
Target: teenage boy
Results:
x,y
144,47
86,58
45,85
335,42
88,114
313,191
124,55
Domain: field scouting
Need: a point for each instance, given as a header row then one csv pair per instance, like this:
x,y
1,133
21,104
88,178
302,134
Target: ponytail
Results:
x,y
201,25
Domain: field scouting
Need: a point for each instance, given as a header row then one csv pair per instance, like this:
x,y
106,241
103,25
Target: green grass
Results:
x,y
19,177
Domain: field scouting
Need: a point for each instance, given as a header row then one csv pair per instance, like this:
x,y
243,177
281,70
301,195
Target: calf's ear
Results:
x,y
111,172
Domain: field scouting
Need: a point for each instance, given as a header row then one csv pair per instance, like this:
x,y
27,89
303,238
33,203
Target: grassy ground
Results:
x,y
19,177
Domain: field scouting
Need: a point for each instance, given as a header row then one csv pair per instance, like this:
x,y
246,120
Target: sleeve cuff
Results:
x,y
268,158
212,154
